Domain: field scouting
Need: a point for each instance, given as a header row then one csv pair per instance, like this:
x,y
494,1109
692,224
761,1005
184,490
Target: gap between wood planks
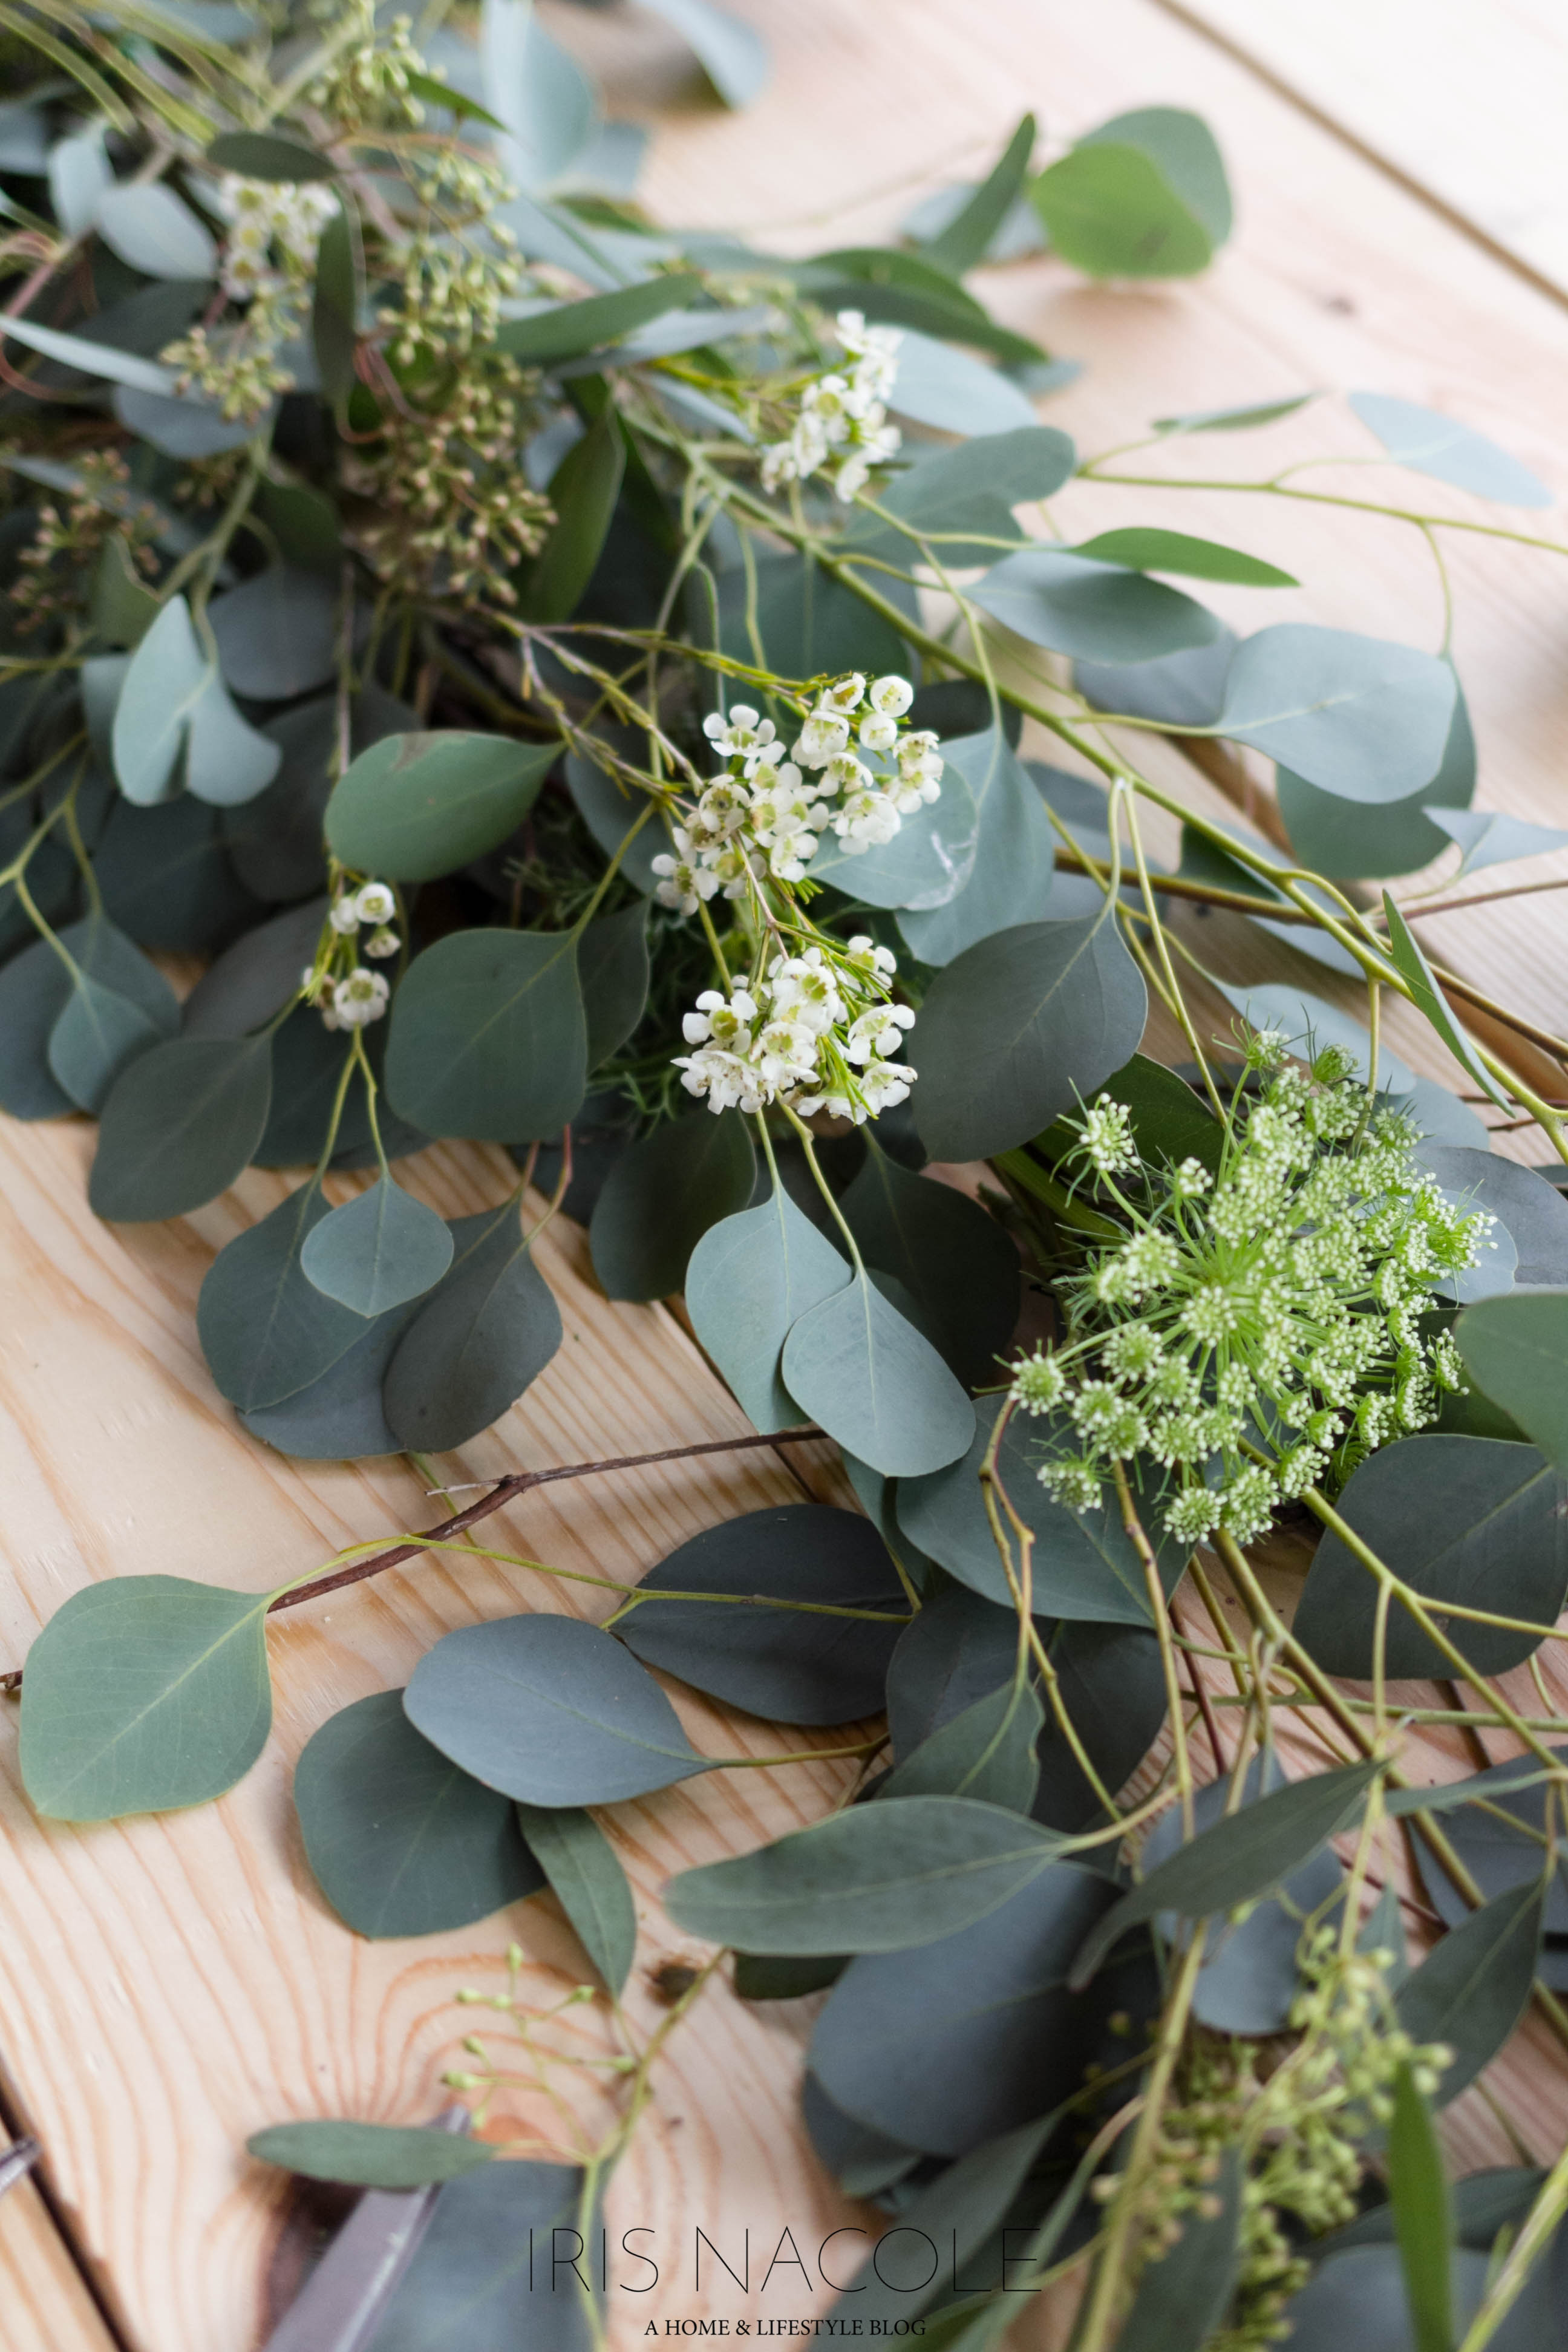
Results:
x,y
1195,21
15,2125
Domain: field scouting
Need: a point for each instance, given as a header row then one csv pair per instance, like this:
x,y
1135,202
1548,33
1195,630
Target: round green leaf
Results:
x,y
142,1694
377,1250
1094,610
1359,717
551,1711
341,1416
255,978
856,1366
956,1262
98,1033
275,633
487,1330
963,498
661,1197
369,2156
1111,212
147,225
1018,1028
938,384
751,1277
949,2046
179,1125
166,878
401,1841
1469,1519
416,806
36,991
613,967
787,1664
1006,877
265,1330
489,1038
1450,451
1353,841
1515,1350
1186,152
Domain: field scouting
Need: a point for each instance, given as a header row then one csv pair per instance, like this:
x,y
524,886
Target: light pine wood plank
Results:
x,y
1465,102
169,1985
44,2304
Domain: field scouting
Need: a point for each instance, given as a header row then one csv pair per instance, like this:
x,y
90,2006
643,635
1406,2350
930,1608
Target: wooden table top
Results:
x,y
168,1985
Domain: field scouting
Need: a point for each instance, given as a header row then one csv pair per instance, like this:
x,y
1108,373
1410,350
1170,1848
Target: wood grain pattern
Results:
x,y
166,1986
45,2307
1466,102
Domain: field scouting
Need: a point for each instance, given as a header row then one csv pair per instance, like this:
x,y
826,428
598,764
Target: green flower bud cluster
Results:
x,y
366,86
1301,2122
454,512
56,566
1258,1331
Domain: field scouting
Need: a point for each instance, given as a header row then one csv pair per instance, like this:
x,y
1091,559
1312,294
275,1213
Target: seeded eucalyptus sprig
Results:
x,y
565,684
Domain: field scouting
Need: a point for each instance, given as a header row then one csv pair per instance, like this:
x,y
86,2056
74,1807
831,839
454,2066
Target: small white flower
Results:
x,y
345,915
382,943
724,807
721,1021
845,694
891,696
867,820
822,737
879,734
375,903
864,950
846,773
878,1031
740,735
361,998
682,884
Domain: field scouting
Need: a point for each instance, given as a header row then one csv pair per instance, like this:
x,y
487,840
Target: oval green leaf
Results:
x,y
142,1694
179,1125
369,2156
855,1365
750,1279
488,1331
874,1878
551,1711
377,1250
489,1038
662,1196
402,1842
416,806
1020,1026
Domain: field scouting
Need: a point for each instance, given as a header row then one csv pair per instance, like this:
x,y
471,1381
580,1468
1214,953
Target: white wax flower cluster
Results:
x,y
266,214
811,1031
842,421
351,998
1274,1309
762,815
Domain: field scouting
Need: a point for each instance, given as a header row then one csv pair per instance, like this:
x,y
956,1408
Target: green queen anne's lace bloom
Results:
x,y
1260,1332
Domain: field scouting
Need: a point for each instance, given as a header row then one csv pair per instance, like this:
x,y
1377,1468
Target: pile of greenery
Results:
x,y
565,679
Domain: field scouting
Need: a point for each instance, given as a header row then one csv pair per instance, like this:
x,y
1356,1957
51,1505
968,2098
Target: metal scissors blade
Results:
x,y
344,2300
17,2160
